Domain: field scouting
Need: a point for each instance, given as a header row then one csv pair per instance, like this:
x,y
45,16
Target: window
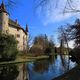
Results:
x,y
17,29
6,31
6,13
18,35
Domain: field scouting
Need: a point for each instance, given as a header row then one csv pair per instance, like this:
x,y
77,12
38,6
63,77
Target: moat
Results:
x,y
46,69
49,69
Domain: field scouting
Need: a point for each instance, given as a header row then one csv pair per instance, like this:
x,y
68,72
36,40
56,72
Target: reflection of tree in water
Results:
x,y
64,62
52,59
8,72
43,65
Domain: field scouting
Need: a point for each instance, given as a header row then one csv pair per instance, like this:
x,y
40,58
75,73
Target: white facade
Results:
x,y
12,27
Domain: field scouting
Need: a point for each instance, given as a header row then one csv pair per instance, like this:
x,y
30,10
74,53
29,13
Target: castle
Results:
x,y
12,27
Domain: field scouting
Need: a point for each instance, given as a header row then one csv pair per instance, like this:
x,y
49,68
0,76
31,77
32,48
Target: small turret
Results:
x,y
27,28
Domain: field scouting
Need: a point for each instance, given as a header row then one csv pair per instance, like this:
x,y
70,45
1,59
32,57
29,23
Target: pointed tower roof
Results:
x,y
2,7
26,28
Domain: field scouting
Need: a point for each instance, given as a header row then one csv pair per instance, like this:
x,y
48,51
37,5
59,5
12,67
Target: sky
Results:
x,y
42,20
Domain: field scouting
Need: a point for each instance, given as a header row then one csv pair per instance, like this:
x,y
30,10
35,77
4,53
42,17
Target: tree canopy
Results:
x,y
42,45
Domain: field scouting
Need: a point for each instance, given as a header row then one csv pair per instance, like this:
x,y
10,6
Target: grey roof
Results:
x,y
15,25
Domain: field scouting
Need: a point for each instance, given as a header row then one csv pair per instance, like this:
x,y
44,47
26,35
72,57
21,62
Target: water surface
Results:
x,y
49,69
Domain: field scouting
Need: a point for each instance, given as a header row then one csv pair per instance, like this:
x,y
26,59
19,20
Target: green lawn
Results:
x,y
24,59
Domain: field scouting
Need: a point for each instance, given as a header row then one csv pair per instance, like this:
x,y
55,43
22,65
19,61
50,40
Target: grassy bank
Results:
x,y
73,74
24,59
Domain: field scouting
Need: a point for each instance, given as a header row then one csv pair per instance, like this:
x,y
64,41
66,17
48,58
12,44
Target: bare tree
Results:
x,y
75,33
63,37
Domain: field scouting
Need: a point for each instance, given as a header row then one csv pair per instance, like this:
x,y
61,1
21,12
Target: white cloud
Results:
x,y
57,45
71,44
52,14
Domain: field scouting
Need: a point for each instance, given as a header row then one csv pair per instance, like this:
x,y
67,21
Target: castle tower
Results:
x,y
3,18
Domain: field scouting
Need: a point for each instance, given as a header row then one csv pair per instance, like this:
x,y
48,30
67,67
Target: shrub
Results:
x,y
8,47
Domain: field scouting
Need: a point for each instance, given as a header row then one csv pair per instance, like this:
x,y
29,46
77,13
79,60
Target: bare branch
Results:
x,y
69,7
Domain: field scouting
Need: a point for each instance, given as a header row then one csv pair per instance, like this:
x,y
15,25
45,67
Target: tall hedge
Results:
x,y
8,47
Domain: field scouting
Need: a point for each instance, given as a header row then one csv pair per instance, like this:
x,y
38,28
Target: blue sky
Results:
x,y
25,13
38,21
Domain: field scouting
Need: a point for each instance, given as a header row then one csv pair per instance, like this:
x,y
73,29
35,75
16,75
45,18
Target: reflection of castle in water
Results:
x,y
13,72
8,72
36,70
23,74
